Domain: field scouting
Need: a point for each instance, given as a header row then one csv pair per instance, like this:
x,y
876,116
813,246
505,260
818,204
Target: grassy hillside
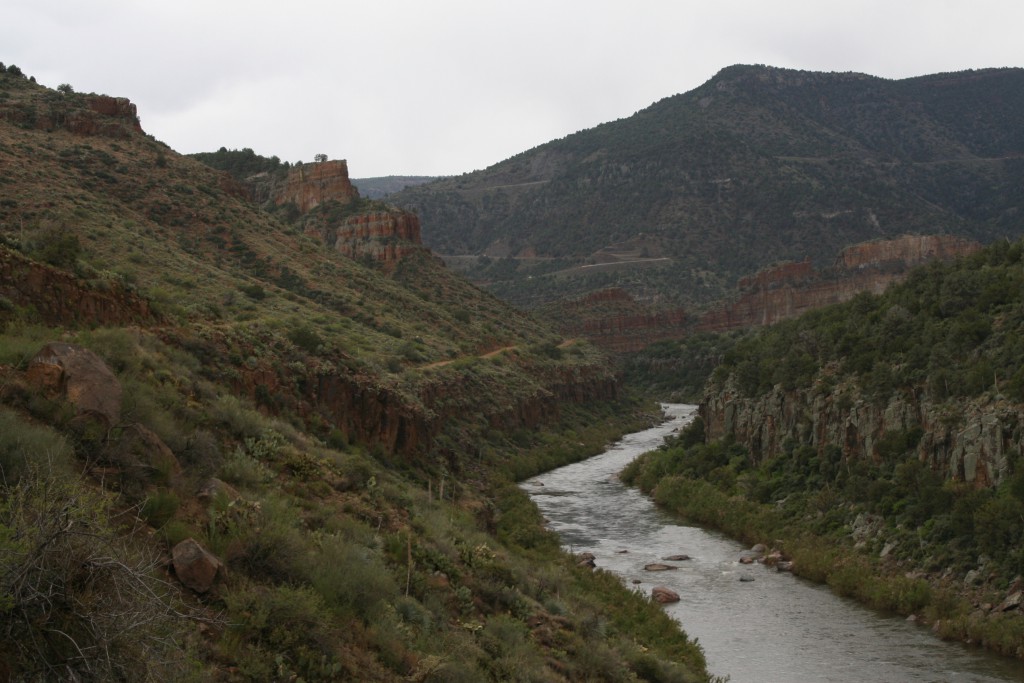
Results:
x,y
341,437
755,166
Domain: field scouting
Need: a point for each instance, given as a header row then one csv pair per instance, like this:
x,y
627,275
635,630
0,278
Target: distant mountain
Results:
x,y
756,166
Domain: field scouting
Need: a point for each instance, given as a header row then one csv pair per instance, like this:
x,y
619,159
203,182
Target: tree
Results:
x,y
319,158
65,88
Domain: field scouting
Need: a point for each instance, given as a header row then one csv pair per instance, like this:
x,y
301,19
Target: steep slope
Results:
x,y
240,444
758,165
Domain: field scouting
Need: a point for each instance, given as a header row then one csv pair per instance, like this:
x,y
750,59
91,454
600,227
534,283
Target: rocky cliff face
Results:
x,y
384,236
100,115
311,184
974,444
792,289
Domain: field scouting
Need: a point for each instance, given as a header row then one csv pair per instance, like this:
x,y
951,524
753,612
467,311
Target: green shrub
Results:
x,y
78,600
24,445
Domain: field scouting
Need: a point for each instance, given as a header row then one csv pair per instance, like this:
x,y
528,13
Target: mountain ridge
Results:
x,y
757,165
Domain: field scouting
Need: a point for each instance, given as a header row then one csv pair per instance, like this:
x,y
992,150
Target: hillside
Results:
x,y
878,444
272,437
758,165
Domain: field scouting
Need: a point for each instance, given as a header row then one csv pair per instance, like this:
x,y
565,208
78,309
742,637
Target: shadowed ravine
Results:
x,y
774,628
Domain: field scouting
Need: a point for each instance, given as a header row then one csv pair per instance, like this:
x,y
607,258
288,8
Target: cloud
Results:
x,y
448,86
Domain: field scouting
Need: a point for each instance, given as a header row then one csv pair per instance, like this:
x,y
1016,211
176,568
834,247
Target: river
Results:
x,y
769,626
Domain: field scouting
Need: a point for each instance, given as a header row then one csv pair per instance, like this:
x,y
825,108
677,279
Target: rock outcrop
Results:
x,y
791,289
975,444
384,236
309,185
59,298
87,115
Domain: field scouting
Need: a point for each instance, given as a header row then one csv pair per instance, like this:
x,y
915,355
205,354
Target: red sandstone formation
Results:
x,y
311,184
791,289
613,320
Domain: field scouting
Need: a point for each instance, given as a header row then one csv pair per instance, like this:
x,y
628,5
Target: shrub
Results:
x,y
77,600
24,445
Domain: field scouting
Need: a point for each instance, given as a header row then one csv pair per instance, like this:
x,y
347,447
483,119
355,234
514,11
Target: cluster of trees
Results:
x,y
950,330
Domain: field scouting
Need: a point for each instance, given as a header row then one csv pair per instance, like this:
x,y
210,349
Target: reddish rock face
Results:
x,y
791,289
311,184
59,298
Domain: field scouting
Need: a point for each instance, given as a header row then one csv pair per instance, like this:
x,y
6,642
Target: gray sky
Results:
x,y
432,87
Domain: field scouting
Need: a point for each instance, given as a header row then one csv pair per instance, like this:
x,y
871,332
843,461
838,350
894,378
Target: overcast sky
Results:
x,y
436,87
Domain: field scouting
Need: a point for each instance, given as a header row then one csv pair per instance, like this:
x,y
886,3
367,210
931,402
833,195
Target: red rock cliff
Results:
x,y
311,184
791,289
384,236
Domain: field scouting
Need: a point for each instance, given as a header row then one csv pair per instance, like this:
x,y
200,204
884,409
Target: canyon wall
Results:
x,y
791,289
973,443
383,236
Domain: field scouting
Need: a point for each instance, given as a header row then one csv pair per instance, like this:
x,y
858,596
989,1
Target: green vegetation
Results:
x,y
756,166
894,522
342,437
951,331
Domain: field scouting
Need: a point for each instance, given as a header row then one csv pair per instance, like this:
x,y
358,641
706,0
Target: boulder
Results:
x,y
664,595
746,578
79,376
214,487
676,558
784,566
150,451
1013,601
195,567
658,567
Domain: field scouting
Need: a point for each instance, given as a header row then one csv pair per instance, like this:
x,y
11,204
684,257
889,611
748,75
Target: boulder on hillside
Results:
x,y
195,567
148,450
79,376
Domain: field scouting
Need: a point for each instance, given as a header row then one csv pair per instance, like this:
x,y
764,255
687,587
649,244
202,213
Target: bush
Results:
x,y
77,600
24,445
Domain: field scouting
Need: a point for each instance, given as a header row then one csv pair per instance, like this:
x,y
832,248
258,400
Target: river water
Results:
x,y
769,626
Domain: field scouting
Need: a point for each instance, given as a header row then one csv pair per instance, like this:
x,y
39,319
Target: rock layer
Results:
x,y
309,185
975,444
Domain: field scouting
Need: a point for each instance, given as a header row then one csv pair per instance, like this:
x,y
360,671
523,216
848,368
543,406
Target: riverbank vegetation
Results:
x,y
878,442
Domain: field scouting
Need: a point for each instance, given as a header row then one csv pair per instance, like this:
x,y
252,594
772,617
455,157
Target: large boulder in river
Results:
x,y
658,567
79,376
664,595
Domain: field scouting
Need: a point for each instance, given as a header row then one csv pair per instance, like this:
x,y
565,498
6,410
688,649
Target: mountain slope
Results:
x,y
247,444
755,166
